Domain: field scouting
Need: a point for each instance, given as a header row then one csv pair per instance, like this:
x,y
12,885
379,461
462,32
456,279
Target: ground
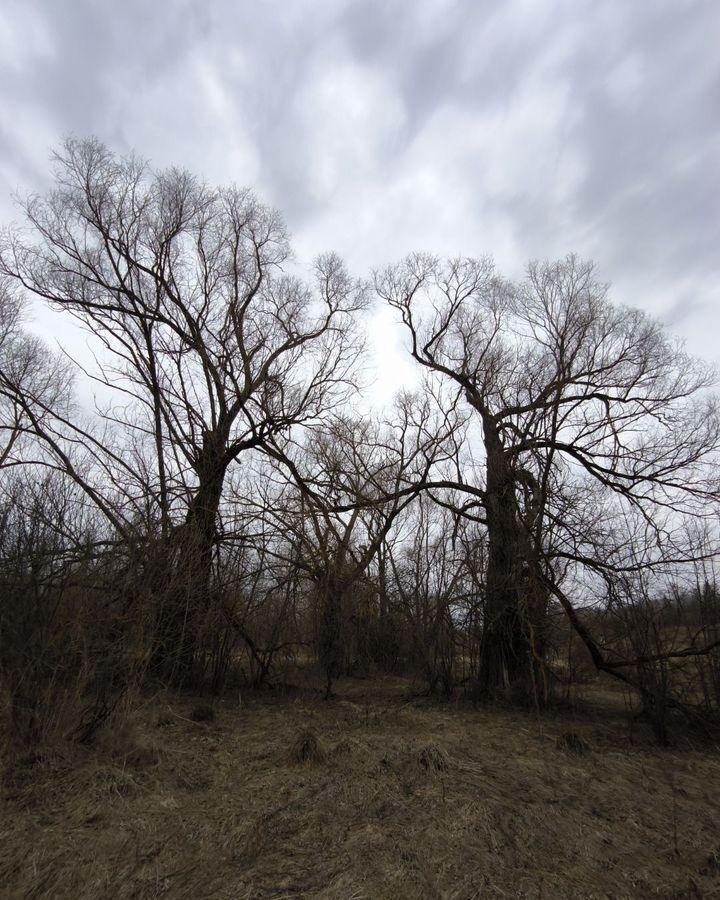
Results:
x,y
399,798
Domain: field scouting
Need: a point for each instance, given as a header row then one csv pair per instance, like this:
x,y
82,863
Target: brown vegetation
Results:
x,y
410,799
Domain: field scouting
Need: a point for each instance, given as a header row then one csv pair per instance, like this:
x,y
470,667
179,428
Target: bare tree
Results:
x,y
427,580
583,409
31,377
209,349
349,489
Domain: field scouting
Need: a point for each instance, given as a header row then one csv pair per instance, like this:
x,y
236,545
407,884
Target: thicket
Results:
x,y
543,508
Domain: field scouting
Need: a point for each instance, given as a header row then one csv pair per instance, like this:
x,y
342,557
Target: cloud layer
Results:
x,y
524,129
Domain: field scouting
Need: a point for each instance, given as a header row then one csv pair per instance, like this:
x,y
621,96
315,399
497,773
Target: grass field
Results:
x,y
370,795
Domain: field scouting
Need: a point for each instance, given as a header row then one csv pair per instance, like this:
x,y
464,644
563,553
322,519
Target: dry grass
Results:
x,y
396,800
307,748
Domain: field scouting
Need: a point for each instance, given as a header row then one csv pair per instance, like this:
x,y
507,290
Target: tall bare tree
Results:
x,y
583,408
209,348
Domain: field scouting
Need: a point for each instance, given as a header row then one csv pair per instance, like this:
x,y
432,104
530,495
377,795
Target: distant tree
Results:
x,y
585,411
31,378
351,485
428,575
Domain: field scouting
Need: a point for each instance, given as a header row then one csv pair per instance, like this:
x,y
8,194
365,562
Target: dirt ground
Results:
x,y
399,798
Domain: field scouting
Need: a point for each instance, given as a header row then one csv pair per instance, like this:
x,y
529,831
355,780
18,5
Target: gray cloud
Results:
x,y
527,129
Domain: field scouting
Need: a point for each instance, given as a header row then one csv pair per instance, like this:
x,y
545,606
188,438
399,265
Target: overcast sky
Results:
x,y
523,129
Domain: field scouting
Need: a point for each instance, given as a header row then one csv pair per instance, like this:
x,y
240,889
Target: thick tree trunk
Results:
x,y
506,652
330,636
188,574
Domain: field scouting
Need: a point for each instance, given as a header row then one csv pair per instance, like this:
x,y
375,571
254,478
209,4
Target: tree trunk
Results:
x,y
505,651
330,637
188,574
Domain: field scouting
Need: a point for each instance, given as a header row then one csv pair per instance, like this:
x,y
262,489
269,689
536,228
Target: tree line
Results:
x,y
548,494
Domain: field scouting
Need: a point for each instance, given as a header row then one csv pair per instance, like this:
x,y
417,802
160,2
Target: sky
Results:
x,y
523,129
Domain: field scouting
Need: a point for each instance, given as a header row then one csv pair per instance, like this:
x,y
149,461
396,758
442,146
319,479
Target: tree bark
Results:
x,y
330,638
506,652
189,569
